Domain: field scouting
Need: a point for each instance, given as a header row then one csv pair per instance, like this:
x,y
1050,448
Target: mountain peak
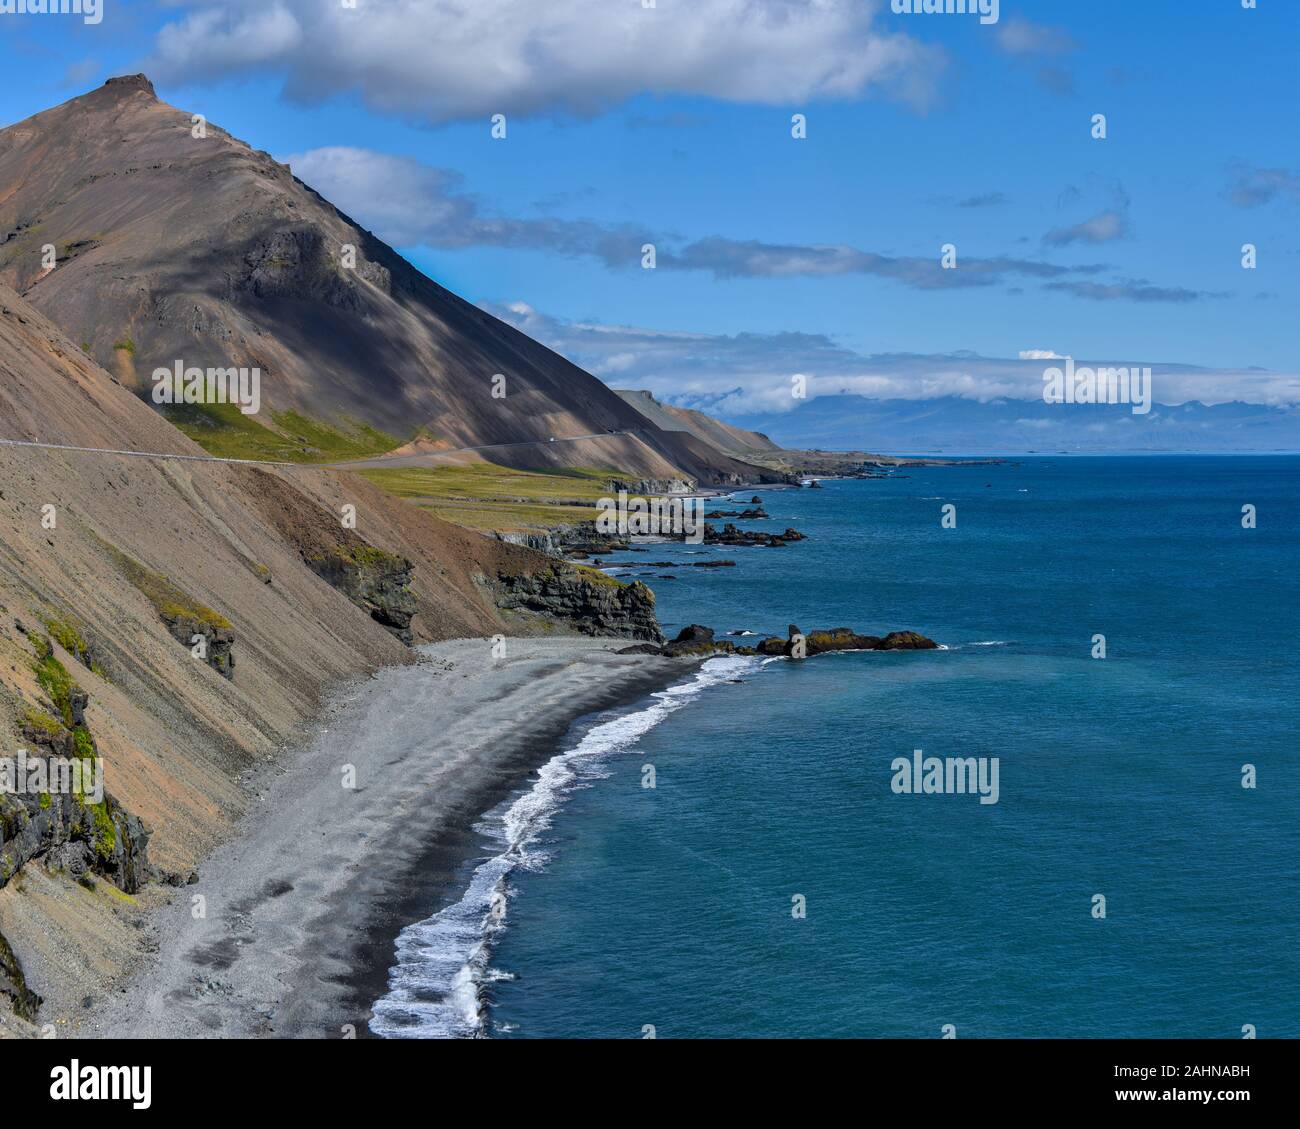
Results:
x,y
189,244
129,82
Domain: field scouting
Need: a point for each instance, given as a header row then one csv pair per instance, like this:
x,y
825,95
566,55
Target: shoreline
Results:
x,y
442,872
301,908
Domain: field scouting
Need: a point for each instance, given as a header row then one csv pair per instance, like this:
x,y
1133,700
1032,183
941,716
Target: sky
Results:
x,y
776,256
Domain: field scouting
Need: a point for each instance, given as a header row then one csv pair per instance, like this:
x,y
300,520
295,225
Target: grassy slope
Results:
x,y
222,429
480,496
485,496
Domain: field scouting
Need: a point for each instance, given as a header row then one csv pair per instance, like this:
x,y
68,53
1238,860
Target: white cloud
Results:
x,y
445,60
1040,355
410,204
750,372
1020,37
401,199
228,37
1101,228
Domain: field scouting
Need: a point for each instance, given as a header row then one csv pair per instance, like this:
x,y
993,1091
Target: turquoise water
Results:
x,y
671,906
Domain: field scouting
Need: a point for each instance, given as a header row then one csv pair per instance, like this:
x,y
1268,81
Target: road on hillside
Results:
x,y
375,461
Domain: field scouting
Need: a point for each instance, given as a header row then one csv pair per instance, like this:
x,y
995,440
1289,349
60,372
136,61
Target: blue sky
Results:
x,y
779,256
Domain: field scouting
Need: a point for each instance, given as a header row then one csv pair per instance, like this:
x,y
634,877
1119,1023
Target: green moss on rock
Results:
x,y
184,616
69,636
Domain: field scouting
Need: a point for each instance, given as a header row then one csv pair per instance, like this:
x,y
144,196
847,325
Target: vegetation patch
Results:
x,y
170,602
40,723
600,579
53,677
223,430
486,496
68,636
368,556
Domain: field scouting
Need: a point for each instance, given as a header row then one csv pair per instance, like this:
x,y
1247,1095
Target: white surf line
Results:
x,y
269,462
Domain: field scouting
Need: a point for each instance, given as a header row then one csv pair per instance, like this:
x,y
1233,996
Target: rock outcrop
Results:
x,y
13,986
373,579
844,639
757,513
187,620
217,635
697,640
68,819
650,485
577,540
582,598
730,535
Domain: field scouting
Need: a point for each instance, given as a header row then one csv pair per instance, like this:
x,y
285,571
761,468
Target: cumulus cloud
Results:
x,y
446,60
750,372
1020,37
1030,44
1251,188
1040,355
1104,227
411,204
214,40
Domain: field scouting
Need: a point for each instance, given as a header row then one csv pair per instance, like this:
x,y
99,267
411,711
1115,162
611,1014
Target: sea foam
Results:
x,y
435,988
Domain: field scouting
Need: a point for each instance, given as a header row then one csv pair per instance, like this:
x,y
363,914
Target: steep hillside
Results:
x,y
112,569
723,436
200,249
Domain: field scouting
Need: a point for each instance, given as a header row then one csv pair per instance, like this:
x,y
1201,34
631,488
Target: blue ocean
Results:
x,y
772,883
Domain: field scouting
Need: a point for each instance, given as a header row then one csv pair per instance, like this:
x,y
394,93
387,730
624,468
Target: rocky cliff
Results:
x,y
63,819
378,581
581,599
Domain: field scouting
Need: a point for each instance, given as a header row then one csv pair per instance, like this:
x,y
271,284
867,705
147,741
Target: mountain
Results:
x,y
180,620
723,436
175,247
952,425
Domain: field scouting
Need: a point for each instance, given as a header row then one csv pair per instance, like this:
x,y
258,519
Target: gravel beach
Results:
x,y
288,931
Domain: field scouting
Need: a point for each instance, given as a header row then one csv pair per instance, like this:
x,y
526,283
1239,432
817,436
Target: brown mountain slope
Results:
x,y
131,548
734,441
172,247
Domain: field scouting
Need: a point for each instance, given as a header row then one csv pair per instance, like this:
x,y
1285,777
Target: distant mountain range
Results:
x,y
953,425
